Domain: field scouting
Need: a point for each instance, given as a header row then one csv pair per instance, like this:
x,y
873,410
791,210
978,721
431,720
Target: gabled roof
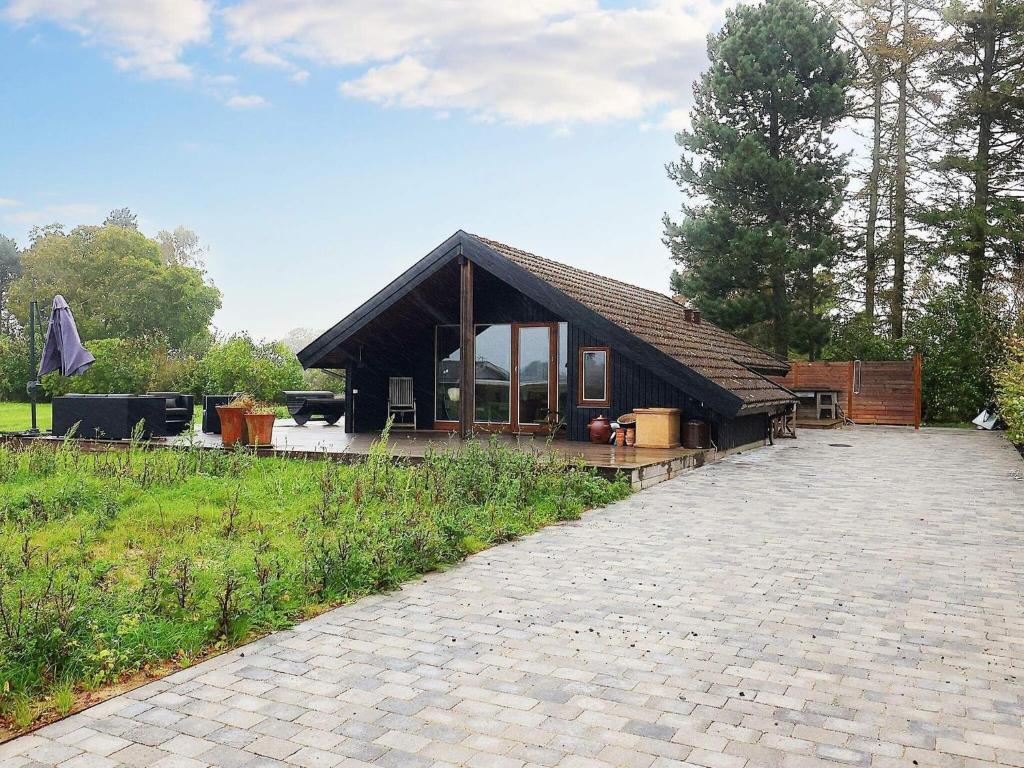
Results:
x,y
660,321
709,363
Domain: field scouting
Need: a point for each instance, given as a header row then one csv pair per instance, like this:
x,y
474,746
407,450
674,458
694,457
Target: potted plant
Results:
x,y
259,425
232,419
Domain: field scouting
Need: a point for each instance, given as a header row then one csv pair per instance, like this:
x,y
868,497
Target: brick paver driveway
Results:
x,y
803,605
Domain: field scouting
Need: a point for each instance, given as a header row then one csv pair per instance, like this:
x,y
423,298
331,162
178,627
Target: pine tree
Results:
x,y
762,177
982,67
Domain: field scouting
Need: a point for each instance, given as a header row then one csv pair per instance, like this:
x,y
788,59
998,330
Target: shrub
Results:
x,y
121,366
860,339
960,337
240,364
14,368
1009,379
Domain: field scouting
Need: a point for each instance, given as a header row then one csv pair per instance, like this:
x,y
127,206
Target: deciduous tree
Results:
x,y
117,284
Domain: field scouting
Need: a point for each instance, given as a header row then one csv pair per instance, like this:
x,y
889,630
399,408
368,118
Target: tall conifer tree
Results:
x,y
761,176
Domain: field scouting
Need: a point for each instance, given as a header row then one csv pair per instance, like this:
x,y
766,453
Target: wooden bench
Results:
x,y
304,406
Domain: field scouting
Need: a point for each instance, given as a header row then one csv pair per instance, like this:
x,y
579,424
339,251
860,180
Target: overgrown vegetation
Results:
x,y
111,563
1010,390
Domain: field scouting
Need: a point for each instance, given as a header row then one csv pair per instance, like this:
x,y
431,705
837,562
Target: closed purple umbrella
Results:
x,y
63,350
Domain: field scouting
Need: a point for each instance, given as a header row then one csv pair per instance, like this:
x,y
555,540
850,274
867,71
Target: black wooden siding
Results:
x,y
400,342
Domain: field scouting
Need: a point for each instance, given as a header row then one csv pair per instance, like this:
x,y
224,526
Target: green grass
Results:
x,y
15,417
112,563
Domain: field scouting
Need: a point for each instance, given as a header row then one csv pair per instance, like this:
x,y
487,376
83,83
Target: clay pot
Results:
x,y
630,436
600,430
260,427
620,437
232,425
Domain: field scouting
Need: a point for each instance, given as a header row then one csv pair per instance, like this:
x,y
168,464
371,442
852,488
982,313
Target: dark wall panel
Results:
x,y
632,387
636,387
400,342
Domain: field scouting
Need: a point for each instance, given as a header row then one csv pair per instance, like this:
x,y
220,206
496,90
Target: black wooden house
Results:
x,y
548,343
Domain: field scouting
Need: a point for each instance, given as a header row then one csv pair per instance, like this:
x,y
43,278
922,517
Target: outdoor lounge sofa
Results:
x,y
178,412
114,417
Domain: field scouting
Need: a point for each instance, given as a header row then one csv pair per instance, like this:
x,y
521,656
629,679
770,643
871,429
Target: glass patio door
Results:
x,y
534,345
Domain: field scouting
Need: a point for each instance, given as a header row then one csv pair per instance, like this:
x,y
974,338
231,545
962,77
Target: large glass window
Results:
x,y
563,370
594,378
493,373
534,373
448,373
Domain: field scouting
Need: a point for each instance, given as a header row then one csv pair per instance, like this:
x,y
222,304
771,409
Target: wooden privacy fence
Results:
x,y
870,391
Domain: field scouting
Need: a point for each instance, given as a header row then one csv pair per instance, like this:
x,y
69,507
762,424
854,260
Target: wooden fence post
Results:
x,y
917,391
849,390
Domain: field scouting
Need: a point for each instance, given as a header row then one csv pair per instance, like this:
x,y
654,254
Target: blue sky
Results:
x,y
319,147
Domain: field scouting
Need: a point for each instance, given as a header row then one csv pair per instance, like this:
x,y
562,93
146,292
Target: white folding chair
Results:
x,y
401,402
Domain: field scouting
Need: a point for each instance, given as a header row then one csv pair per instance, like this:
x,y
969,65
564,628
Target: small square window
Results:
x,y
595,376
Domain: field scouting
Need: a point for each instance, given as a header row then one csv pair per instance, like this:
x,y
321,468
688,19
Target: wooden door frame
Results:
x,y
552,327
513,425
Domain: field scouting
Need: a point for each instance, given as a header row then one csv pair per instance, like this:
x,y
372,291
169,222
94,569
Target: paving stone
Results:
x,y
798,606
138,755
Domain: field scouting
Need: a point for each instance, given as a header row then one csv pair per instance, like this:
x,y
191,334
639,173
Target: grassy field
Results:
x,y
142,560
15,417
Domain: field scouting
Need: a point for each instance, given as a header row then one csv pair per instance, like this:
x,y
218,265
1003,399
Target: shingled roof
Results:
x,y
659,320
712,365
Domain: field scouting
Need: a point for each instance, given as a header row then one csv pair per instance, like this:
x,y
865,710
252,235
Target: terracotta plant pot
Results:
x,y
600,430
620,437
260,428
232,425
630,435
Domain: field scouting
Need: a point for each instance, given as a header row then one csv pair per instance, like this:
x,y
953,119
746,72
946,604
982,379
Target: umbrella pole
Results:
x,y
33,308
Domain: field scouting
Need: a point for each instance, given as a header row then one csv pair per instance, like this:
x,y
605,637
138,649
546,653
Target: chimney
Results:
x,y
688,315
696,316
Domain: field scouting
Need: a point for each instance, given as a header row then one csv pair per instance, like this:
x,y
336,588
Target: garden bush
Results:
x,y
860,338
960,338
112,563
240,364
122,366
14,368
1009,378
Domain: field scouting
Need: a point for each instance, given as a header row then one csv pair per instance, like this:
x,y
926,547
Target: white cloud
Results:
x,y
247,101
533,61
69,214
8,202
145,36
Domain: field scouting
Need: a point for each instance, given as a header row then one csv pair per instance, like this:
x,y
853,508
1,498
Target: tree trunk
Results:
x,y
977,268
780,314
780,299
870,249
899,256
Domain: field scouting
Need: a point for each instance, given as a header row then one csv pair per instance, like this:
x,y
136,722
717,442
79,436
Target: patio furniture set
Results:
x,y
166,414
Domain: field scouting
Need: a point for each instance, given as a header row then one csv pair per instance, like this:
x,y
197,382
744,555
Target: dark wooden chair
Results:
x,y
304,406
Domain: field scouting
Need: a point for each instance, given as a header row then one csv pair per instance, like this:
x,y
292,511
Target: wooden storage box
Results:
x,y
657,427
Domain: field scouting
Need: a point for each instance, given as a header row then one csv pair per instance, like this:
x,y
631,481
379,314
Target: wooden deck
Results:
x,y
317,439
802,423
643,467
